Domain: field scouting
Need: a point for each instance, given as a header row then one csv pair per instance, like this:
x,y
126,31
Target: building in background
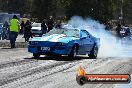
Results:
x,y
6,17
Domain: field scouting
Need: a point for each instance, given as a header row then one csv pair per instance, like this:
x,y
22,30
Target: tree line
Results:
x,y
102,10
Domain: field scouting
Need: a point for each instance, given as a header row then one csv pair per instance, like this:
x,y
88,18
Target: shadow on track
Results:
x,y
6,48
59,58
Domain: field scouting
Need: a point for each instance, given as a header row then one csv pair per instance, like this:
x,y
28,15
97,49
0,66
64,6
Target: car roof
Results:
x,y
80,29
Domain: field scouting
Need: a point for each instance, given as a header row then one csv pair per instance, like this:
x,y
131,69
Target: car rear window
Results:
x,y
36,25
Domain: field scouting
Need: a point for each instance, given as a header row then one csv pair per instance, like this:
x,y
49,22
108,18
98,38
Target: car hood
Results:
x,y
55,38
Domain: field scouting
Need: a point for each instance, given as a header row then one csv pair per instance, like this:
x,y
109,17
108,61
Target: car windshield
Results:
x,y
67,32
36,25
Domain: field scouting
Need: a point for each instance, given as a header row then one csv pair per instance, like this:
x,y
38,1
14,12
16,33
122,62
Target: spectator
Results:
x,y
1,31
58,24
108,28
128,32
27,31
22,28
5,30
50,23
44,27
14,28
118,34
0,34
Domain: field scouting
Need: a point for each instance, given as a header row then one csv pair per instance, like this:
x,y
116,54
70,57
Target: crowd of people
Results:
x,y
48,25
11,30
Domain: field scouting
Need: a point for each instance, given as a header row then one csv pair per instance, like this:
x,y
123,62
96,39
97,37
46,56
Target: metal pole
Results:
x,y
122,1
7,6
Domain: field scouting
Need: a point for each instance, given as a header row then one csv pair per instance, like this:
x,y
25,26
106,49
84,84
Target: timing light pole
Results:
x,y
7,2
121,17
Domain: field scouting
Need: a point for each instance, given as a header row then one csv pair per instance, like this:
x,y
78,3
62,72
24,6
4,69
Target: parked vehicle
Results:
x,y
36,29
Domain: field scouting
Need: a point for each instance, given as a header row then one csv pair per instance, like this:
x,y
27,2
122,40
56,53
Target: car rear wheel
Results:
x,y
36,55
93,52
73,53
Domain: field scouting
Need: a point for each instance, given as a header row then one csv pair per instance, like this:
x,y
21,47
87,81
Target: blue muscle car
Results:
x,y
69,42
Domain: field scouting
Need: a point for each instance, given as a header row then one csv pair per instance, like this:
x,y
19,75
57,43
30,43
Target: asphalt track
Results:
x,y
19,70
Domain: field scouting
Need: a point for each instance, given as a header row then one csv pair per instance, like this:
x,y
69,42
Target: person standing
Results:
x,y
0,31
44,27
22,28
58,24
6,30
14,28
27,31
118,34
50,23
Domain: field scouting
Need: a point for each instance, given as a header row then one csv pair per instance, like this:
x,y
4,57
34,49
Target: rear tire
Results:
x,y
93,52
73,53
36,55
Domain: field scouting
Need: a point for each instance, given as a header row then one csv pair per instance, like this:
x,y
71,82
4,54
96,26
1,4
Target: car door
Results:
x,y
87,41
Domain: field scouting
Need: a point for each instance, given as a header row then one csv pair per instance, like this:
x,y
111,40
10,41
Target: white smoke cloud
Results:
x,y
109,47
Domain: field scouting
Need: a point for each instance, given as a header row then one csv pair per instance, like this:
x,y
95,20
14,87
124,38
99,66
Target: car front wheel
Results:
x,y
73,53
36,55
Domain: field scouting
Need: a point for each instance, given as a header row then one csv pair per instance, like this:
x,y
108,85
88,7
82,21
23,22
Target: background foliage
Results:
x,y
102,10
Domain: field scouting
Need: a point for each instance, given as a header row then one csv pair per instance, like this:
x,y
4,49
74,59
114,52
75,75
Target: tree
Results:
x,y
3,5
123,8
105,9
15,6
41,8
98,9
127,11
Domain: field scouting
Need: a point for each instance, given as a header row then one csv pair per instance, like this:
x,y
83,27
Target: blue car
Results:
x,y
65,41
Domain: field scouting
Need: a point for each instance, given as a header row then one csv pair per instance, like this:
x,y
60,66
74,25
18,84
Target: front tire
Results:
x,y
93,52
36,55
73,53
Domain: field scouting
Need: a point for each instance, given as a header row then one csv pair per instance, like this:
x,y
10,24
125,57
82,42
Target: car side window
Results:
x,y
84,34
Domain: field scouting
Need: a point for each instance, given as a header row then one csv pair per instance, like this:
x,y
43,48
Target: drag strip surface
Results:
x,y
19,70
32,71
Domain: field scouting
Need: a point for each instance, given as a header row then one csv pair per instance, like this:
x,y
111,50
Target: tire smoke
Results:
x,y
109,47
